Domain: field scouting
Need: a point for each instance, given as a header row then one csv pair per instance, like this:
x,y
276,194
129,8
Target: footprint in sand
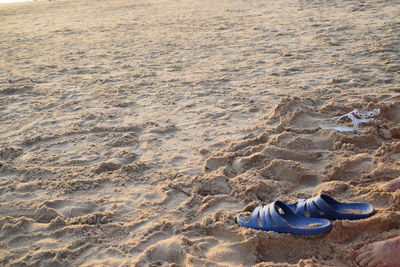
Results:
x,y
232,254
171,250
391,186
70,209
392,112
215,206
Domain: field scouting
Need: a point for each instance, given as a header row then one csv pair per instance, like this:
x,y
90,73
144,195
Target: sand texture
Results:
x,y
133,132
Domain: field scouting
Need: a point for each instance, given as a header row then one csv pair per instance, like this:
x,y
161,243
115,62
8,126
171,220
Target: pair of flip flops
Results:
x,y
305,217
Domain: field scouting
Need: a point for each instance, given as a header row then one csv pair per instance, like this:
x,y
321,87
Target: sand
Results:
x,y
133,132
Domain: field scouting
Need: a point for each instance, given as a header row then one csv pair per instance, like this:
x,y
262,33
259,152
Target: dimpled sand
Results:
x,y
133,132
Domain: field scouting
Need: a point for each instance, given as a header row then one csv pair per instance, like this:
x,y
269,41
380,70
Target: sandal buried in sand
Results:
x,y
362,118
278,217
324,206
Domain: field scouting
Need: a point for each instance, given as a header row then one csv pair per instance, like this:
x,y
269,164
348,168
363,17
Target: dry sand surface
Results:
x,y
133,132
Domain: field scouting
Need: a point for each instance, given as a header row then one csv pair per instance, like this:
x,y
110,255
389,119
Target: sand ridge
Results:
x,y
133,133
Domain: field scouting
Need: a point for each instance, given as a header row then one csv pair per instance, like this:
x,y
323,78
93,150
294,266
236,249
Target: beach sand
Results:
x,y
133,132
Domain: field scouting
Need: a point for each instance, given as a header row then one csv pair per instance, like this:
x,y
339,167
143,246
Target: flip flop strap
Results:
x,y
253,220
325,207
260,214
277,218
314,207
271,218
265,218
300,206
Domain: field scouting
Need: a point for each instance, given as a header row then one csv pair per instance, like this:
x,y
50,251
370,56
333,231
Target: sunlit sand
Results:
x,y
14,1
133,132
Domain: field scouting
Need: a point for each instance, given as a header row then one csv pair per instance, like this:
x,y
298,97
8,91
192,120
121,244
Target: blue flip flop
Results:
x,y
278,217
324,206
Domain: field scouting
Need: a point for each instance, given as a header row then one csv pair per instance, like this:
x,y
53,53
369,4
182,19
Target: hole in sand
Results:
x,y
393,113
304,120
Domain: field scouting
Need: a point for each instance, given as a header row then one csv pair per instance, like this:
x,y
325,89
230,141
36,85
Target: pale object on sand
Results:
x,y
363,117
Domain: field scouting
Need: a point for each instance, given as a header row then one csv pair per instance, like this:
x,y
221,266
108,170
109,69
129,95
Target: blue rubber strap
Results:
x,y
300,207
276,216
253,221
287,211
311,208
264,214
325,207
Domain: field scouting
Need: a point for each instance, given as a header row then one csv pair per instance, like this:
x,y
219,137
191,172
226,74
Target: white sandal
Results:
x,y
364,117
